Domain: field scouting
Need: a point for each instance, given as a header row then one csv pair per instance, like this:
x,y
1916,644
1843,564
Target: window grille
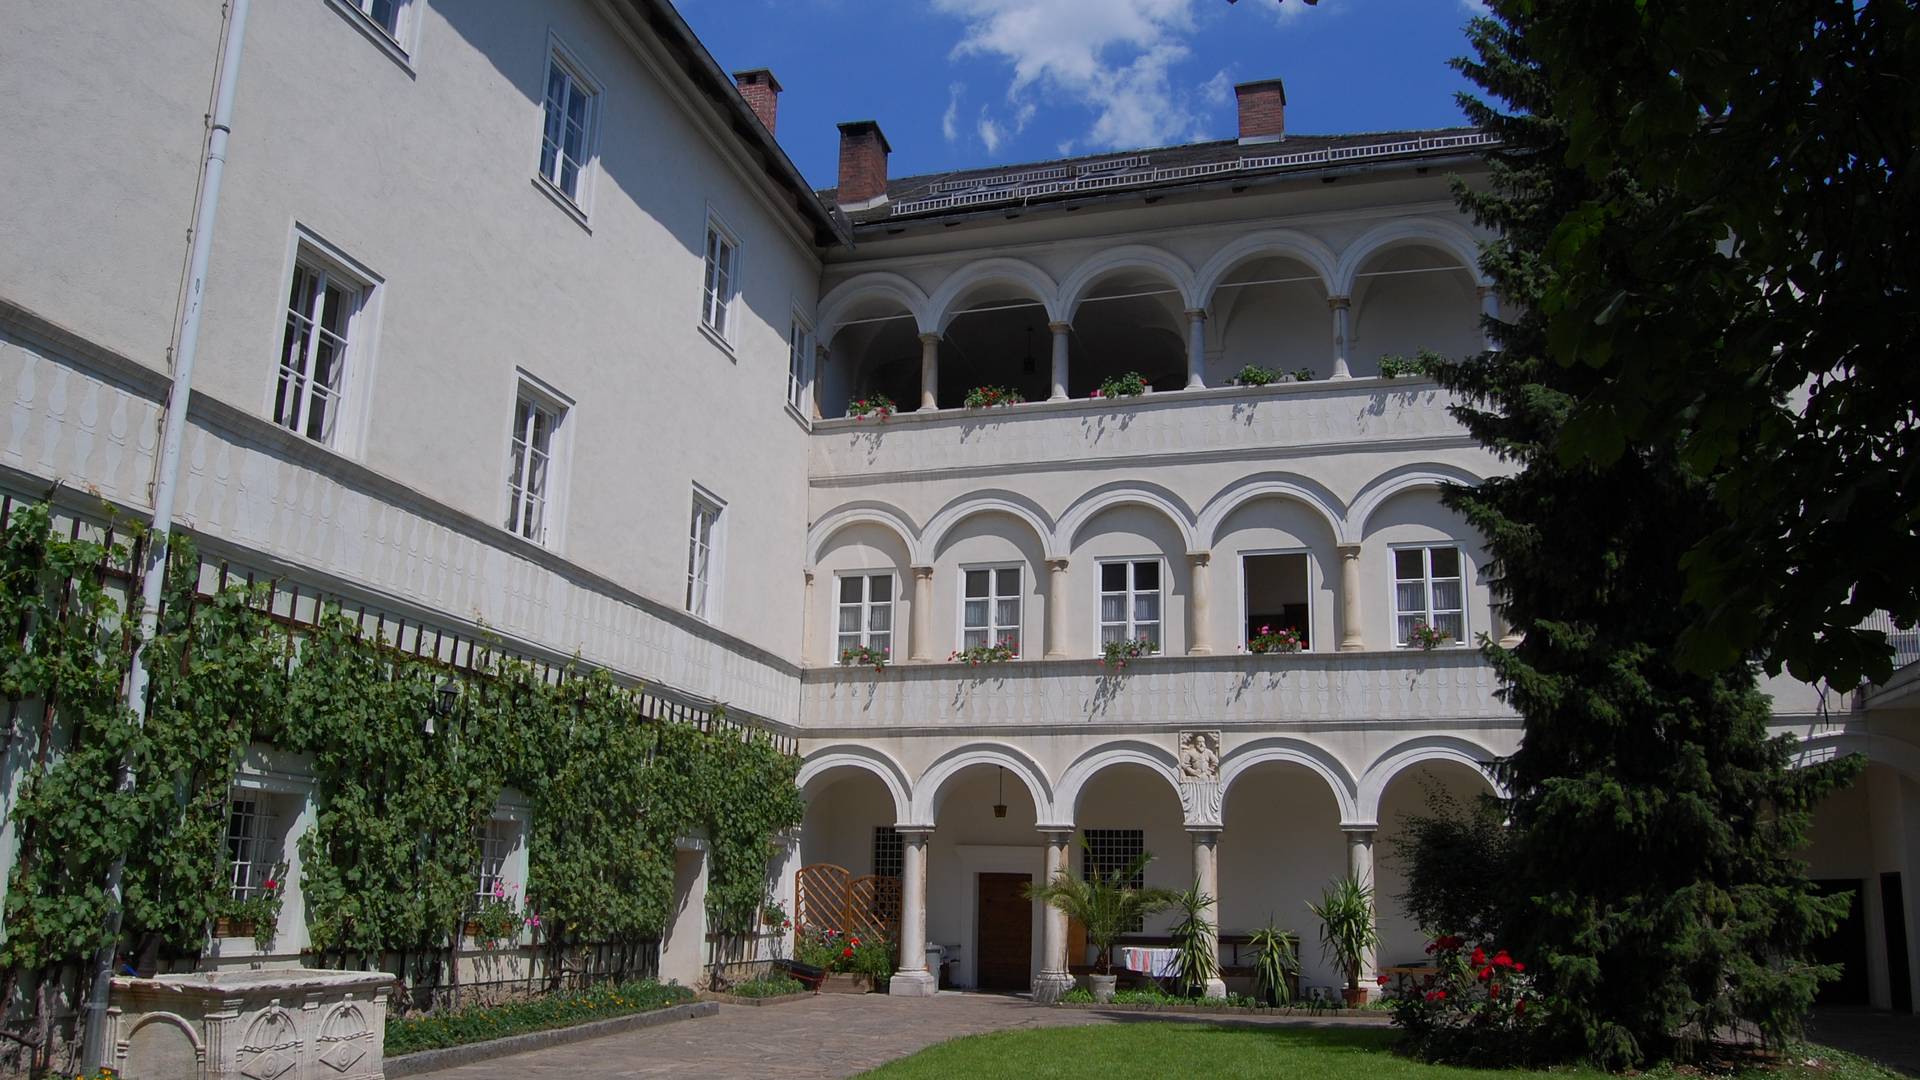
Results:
x,y
888,860
1108,852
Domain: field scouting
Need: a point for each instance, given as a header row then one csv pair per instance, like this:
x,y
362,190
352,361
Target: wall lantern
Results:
x,y
445,696
1000,807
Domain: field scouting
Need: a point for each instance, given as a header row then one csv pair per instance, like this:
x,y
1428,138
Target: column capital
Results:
x,y
923,571
1199,558
1359,830
1060,327
808,574
1056,833
1205,834
1058,566
821,353
1196,314
1339,303
930,338
1348,551
914,834
1483,291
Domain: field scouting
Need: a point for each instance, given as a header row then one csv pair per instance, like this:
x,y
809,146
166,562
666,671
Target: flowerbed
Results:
x,y
849,953
1479,1009
767,986
478,1023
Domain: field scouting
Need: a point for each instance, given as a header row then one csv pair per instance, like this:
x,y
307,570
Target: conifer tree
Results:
x,y
1654,884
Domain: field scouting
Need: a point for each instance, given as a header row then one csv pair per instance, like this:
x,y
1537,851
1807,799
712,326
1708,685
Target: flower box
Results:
x,y
847,982
224,927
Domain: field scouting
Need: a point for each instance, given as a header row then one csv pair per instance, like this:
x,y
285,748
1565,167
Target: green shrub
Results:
x,y
478,1023
767,986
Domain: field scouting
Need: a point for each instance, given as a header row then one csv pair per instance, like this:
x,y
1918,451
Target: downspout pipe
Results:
x,y
95,1051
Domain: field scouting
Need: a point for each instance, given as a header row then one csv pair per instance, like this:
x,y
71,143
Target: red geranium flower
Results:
x,y
1479,956
1486,973
846,953
1518,966
1382,980
1436,995
1520,1007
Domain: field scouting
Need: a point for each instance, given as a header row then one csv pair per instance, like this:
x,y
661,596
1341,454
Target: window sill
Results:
x,y
799,417
375,33
719,342
560,199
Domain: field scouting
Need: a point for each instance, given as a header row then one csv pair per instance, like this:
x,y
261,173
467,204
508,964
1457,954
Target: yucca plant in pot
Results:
x,y
1347,931
1196,956
1276,958
1108,907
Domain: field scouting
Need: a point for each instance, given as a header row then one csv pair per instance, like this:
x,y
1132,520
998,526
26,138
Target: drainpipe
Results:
x,y
95,1052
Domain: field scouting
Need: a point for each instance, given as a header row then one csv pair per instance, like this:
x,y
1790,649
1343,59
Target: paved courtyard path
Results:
x,y
830,1035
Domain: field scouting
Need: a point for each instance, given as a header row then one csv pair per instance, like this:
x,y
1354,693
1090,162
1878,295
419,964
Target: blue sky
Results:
x,y
964,83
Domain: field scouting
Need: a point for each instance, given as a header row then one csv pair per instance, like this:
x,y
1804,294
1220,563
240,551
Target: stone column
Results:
x,y
1196,348
1056,608
913,979
1503,630
1360,868
1352,639
1199,600
929,372
1060,342
806,623
1054,979
1206,873
1489,307
1340,306
919,629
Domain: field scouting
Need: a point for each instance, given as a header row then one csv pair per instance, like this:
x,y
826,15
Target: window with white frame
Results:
x,y
1108,852
496,838
888,854
716,302
990,608
866,612
533,467
703,543
1130,602
254,843
799,345
389,15
566,142
1429,586
323,303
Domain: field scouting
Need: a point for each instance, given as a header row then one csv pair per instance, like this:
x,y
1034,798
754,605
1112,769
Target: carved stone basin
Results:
x,y
288,1024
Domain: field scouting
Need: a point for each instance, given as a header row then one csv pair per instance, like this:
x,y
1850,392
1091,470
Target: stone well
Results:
x,y
291,1024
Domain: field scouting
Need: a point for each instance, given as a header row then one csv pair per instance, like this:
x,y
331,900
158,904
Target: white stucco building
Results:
x,y
519,317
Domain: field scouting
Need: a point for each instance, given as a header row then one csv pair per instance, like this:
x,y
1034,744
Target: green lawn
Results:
x,y
1160,1049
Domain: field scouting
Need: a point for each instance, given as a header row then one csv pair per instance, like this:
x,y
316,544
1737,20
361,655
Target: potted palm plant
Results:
x,y
1196,958
1108,907
1347,931
1275,965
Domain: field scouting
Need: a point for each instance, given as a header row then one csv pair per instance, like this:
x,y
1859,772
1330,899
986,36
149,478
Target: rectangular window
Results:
x,y
990,608
567,136
321,306
1108,852
385,14
717,295
496,840
253,843
1278,591
1429,587
532,468
799,344
866,612
702,542
1130,602
887,857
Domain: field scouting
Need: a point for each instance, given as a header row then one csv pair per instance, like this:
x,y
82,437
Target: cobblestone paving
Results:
x,y
831,1035
1892,1039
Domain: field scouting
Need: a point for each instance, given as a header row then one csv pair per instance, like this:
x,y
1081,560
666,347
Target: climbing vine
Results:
x,y
401,786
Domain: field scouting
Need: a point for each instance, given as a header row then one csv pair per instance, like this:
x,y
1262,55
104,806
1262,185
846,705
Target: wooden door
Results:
x,y
1004,933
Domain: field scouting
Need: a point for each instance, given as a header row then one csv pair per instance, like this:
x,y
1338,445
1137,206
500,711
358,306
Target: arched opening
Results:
x,y
1280,845
849,860
1436,562
988,585
1129,575
1855,846
982,855
862,593
1419,790
1129,319
1408,298
875,349
1123,810
1274,558
1270,312
997,337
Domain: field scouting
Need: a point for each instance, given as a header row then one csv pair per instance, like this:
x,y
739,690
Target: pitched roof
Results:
x,y
946,193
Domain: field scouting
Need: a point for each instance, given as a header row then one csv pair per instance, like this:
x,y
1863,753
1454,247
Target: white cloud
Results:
x,y
950,121
1476,7
989,131
1111,56
1219,89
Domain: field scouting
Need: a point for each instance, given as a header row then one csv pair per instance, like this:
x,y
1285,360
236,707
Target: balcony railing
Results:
x,y
1327,688
1328,415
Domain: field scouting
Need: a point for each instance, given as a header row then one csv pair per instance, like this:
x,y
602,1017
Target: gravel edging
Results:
x,y
777,999
1353,1016
448,1056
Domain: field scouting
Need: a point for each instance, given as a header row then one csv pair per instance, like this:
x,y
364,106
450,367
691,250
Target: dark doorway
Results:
x,y
1893,912
1278,588
1846,946
1004,933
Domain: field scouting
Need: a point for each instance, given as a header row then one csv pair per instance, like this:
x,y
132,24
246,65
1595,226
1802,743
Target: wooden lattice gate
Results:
x,y
828,897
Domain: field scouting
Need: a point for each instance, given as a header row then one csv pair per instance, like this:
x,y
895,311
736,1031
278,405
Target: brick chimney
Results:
x,y
863,164
762,92
1263,111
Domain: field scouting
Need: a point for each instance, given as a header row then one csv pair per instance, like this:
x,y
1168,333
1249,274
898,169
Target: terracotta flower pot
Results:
x,y
1355,997
1102,986
847,982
